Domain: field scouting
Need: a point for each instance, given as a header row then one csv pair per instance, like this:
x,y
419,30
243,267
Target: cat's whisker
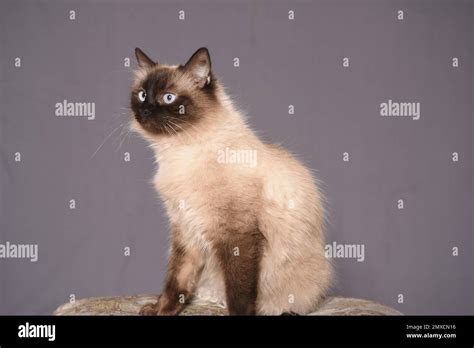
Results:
x,y
171,123
173,129
182,129
121,114
188,123
117,140
167,126
123,138
163,128
121,133
173,126
106,138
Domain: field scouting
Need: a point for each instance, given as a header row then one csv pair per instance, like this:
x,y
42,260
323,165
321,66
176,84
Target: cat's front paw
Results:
x,y
162,307
149,309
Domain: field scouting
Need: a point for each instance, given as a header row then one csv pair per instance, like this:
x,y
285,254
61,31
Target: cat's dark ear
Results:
x,y
199,66
143,60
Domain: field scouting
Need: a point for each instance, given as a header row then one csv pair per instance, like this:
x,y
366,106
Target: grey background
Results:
x,y
282,62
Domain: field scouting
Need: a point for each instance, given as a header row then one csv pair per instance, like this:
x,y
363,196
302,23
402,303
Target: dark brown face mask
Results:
x,y
171,99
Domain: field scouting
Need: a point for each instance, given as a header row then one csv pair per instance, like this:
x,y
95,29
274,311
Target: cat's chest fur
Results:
x,y
200,192
186,179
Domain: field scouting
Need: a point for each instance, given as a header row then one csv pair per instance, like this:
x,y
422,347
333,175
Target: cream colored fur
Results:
x,y
279,195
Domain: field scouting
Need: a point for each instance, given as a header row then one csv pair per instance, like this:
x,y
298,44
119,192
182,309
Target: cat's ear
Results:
x,y
199,66
143,60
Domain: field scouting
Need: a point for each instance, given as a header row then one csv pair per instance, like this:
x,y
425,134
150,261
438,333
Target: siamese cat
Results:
x,y
246,217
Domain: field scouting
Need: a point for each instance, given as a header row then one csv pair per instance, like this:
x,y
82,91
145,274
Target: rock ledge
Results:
x,y
130,305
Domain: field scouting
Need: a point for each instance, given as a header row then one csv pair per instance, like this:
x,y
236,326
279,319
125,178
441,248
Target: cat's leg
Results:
x,y
239,255
184,268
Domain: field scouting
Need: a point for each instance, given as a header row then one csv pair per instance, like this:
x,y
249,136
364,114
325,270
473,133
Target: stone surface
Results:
x,y
130,305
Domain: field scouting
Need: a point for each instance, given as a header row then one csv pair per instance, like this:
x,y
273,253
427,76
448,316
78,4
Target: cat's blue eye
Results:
x,y
142,96
168,98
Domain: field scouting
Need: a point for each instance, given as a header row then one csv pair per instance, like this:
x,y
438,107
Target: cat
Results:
x,y
245,235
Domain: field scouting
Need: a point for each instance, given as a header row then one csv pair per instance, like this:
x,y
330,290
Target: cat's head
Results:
x,y
167,100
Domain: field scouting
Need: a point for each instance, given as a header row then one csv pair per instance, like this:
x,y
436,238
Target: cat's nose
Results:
x,y
145,112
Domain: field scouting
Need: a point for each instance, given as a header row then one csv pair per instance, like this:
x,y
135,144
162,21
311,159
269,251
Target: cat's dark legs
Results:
x,y
184,269
239,255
